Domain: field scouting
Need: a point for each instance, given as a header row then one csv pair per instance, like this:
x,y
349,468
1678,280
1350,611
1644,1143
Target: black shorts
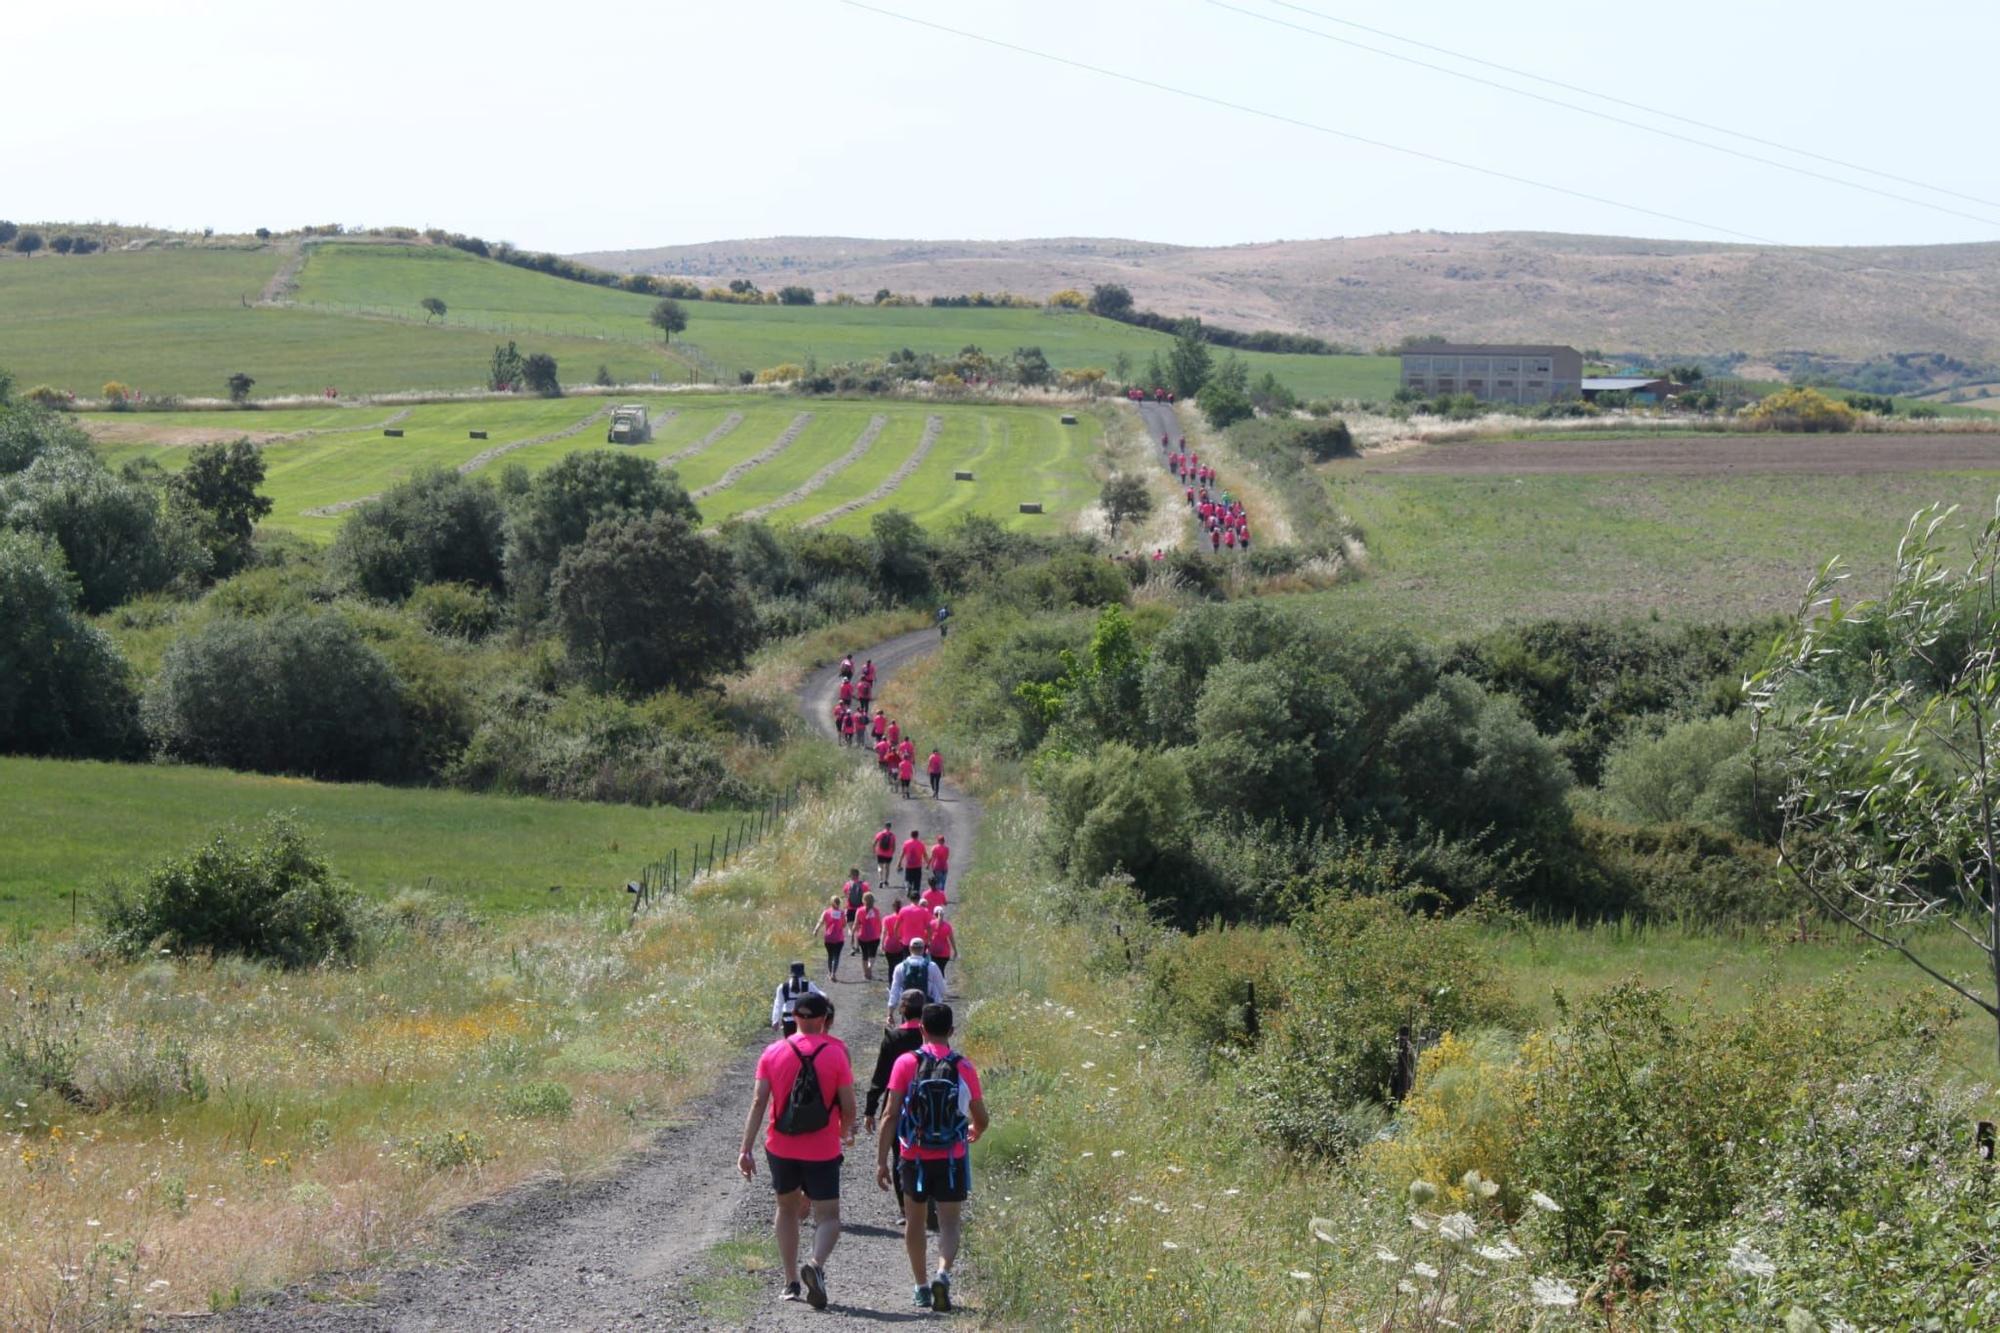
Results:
x,y
820,1180
943,1182
895,960
882,864
868,948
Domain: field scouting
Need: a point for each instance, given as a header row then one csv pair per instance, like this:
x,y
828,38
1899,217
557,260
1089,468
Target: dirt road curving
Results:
x,y
636,1250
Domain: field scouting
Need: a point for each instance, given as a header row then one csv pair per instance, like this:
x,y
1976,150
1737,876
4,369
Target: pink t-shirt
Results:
x,y
833,926
913,854
941,933
867,924
904,771
892,933
895,733
905,1073
940,855
934,898
779,1066
915,921
936,764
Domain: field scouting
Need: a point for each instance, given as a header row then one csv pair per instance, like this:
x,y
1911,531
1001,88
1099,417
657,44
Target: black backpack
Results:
x,y
912,974
805,1110
931,1115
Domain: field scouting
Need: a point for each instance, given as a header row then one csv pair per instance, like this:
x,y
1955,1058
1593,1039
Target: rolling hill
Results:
x,y
1620,294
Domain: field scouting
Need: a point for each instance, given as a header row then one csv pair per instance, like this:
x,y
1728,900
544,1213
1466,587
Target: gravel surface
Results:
x,y
633,1250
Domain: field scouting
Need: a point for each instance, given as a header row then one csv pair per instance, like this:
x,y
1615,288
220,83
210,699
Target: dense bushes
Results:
x,y
64,689
296,693
268,896
117,538
558,507
1702,771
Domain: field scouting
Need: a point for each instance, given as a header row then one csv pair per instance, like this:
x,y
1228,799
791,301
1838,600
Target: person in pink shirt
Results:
x,y
868,934
846,690
939,1111
895,733
914,855
935,764
1229,538
833,934
805,1165
942,945
894,948
880,726
940,862
905,770
934,898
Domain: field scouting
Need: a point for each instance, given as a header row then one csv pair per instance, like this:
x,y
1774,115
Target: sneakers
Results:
x,y
941,1291
922,1299
791,1292
815,1281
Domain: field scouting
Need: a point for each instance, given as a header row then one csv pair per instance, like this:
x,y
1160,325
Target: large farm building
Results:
x,y
1494,373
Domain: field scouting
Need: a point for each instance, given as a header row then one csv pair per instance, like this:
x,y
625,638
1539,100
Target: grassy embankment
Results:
x,y
176,322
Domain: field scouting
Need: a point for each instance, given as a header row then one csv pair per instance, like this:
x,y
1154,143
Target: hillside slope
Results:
x,y
1617,293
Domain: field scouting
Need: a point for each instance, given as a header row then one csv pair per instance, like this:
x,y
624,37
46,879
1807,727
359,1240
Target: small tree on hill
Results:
x,y
1031,367
62,245
1125,498
1110,300
1189,362
8,231
506,370
217,492
604,380
795,296
538,372
239,387
434,308
28,242
669,317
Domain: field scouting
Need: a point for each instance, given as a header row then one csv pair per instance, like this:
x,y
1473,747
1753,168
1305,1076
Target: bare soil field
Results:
x,y
1701,456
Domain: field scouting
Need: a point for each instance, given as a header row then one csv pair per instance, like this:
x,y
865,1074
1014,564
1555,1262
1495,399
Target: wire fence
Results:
x,y
666,877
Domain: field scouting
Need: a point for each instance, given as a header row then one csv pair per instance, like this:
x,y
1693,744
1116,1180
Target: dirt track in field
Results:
x,y
1702,455
635,1250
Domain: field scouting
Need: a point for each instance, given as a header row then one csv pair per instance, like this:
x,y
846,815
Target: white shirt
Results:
x,y
786,997
933,984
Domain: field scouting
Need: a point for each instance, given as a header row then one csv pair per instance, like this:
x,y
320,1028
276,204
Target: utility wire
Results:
x,y
1631,105
1314,126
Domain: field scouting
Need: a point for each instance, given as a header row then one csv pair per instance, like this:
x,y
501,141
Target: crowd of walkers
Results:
x,y
1225,522
924,1106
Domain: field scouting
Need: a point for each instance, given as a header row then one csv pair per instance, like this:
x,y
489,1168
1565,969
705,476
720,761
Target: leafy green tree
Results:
x,y
1156,373
795,296
649,603
1885,720
604,380
1189,360
240,385
8,231
902,555
438,526
294,693
27,431
561,503
1031,367
63,244
114,535
64,689
1121,367
434,308
1223,404
218,491
1120,808
539,373
1125,498
669,317
1268,395
27,242
506,369
1110,300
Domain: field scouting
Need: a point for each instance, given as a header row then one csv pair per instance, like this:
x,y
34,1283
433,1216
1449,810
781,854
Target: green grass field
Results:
x,y
1016,453
73,825
491,295
174,322
1450,555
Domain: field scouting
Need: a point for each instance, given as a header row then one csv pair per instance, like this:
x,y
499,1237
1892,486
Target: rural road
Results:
x,y
632,1250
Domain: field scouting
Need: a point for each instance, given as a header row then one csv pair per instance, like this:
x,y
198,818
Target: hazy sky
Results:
x,y
596,124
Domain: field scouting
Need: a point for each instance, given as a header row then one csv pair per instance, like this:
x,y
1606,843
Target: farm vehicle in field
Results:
x,y
629,426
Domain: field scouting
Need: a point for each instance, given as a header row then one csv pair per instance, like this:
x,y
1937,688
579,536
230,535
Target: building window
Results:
x,y
1446,384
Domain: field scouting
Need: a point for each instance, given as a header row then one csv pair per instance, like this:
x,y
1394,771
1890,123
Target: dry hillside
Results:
x,y
1616,293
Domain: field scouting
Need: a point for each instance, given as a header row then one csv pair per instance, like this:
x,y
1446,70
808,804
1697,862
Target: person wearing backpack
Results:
x,y
847,667
898,1040
934,766
914,856
853,890
917,972
940,1112
867,934
807,1082
790,991
885,850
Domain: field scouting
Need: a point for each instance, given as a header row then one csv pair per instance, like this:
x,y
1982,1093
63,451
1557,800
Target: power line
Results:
x,y
1314,126
1635,106
1602,115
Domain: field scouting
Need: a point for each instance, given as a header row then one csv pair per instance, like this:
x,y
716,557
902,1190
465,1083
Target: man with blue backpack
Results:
x,y
942,1112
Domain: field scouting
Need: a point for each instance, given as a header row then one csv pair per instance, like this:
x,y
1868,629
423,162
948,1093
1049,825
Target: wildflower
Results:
x,y
1458,1228
1230,1194
1090,1154
1322,1230
1422,1269
1478,1186
1175,1170
1544,1202
1502,1253
92,1222
1169,1245
1387,1256
1750,1262
1090,1064
1407,1287
1300,1274
1422,1192
1117,1152
1552,1291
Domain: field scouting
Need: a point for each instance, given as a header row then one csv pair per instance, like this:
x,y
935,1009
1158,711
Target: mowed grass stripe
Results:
x,y
761,425
897,441
70,825
863,443
826,435
1028,456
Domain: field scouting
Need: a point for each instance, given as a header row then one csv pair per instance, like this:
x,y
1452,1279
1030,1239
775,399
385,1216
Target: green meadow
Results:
x,y
71,826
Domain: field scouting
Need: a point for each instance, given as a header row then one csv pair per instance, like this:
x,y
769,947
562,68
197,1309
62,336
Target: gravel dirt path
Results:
x,y
634,1250
758,459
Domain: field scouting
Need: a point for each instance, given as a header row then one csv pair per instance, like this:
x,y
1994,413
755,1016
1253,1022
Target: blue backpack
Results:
x,y
932,1118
